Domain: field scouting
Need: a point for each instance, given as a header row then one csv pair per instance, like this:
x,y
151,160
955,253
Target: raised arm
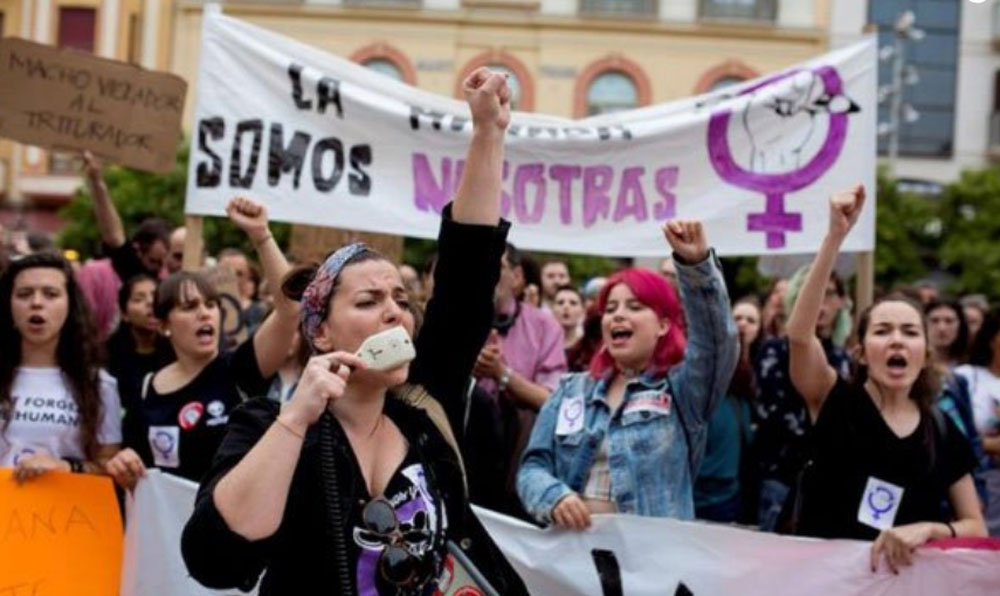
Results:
x,y
109,224
811,374
470,245
274,338
712,344
478,198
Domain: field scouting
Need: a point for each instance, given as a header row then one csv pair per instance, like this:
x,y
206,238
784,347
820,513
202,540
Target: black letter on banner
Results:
x,y
236,179
604,133
295,73
209,178
281,159
321,147
329,93
608,572
359,182
416,113
458,123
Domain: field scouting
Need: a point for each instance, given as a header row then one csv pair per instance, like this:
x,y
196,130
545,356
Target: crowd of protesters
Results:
x,y
551,398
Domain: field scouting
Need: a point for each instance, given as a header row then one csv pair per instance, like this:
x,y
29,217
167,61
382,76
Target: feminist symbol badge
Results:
x,y
879,504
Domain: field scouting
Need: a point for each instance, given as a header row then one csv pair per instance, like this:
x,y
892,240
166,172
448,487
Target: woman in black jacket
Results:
x,y
365,502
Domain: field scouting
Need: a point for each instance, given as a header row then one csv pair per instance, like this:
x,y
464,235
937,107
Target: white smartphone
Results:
x,y
387,349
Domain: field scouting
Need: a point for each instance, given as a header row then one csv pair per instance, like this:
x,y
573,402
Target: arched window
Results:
x,y
725,82
387,60
611,91
384,66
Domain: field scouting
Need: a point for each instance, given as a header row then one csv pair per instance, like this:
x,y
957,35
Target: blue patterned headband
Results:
x,y
316,298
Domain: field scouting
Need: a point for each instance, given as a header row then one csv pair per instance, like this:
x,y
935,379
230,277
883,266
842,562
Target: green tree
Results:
x,y
138,195
970,213
907,234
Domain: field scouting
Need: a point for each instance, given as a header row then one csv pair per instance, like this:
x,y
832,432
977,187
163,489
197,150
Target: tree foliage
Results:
x,y
907,235
138,195
970,214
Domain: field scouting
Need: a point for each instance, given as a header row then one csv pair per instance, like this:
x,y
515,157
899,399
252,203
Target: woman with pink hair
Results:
x,y
627,436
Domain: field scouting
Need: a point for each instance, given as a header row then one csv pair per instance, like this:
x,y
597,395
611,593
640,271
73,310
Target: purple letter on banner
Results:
x,y
532,173
631,185
666,180
428,194
596,182
565,175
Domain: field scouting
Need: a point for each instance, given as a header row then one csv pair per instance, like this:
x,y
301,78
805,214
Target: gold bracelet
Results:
x,y
286,426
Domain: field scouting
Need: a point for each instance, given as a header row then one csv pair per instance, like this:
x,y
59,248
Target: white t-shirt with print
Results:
x,y
984,389
45,419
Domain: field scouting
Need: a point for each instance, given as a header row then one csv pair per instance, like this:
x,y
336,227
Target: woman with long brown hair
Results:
x,y
58,409
884,459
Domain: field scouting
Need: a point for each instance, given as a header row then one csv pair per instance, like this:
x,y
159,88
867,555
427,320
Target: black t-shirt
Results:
x,y
179,432
419,532
129,367
852,443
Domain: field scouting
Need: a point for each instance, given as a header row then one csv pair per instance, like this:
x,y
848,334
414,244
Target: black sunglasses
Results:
x,y
397,564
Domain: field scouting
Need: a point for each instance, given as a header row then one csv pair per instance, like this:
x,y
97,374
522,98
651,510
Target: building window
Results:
x,y
385,59
386,67
724,82
757,10
612,91
519,79
728,73
618,7
936,59
76,28
611,84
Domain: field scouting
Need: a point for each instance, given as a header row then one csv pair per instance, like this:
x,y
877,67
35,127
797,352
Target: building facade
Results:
x,y
956,94
565,57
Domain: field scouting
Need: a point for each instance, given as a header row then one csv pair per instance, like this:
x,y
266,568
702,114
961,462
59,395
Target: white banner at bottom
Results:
x,y
639,556
620,555
152,565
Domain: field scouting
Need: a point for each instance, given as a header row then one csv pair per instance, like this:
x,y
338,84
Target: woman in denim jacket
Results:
x,y
628,435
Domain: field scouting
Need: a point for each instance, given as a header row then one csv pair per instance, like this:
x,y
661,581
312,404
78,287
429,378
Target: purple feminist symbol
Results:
x,y
775,222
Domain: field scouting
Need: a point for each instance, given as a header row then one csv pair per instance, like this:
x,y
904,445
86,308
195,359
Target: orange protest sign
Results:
x,y
59,534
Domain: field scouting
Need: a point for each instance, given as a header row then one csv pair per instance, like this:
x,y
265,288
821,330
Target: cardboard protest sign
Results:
x,y
67,99
59,534
234,329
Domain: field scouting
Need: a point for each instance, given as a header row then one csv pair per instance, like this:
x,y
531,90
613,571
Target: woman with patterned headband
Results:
x,y
367,501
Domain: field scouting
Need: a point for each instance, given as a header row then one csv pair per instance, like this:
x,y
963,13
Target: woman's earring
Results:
x,y
166,333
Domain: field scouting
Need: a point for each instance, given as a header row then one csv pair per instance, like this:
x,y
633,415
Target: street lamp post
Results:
x,y
903,75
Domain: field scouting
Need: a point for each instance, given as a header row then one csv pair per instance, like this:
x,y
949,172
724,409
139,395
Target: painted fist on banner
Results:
x,y
488,96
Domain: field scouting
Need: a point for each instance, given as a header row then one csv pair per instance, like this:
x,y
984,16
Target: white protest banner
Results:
x,y
641,556
157,512
153,566
324,141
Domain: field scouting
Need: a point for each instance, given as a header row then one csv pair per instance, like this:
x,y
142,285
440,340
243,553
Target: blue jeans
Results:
x,y
772,499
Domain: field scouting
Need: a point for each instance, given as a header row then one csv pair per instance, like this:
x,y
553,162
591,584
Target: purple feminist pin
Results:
x,y
774,163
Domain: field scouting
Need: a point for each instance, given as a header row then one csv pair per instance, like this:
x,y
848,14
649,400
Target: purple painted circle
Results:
x,y
722,160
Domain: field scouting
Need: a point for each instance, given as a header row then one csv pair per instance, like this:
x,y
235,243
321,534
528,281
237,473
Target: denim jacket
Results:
x,y
657,437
